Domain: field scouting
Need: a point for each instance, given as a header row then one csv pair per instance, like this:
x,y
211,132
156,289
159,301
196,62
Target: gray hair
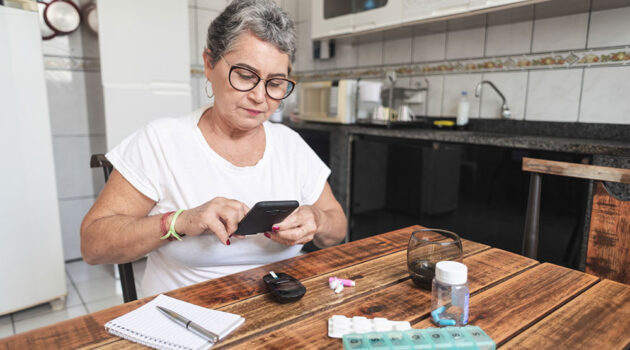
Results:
x,y
263,18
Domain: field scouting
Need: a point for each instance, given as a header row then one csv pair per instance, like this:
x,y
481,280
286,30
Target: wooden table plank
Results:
x,y
507,309
597,319
262,313
401,301
89,329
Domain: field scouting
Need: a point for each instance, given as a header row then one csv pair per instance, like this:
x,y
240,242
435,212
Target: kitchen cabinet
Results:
x,y
332,18
137,89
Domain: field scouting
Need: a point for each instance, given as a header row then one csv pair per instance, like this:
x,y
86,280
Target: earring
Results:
x,y
205,87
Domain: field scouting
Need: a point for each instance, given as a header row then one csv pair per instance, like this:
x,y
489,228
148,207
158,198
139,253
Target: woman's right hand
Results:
x,y
219,216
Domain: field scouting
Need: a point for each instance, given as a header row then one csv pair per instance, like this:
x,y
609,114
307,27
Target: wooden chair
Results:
x,y
127,281
608,248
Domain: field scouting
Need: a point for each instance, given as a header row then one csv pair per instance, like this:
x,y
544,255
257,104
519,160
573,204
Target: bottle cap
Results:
x,y
451,272
464,93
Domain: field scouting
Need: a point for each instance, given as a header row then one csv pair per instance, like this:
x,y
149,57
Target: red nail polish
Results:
x,y
267,235
227,242
275,227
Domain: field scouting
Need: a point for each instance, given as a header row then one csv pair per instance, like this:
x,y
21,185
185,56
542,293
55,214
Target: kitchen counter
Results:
x,y
609,145
500,137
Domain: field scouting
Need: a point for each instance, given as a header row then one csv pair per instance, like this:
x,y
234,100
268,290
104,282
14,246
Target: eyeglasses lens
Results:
x,y
245,80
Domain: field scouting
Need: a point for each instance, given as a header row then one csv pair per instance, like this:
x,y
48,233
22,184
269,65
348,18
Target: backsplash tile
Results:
x,y
453,87
204,18
215,5
508,39
71,213
429,47
560,25
192,33
605,95
466,37
74,176
510,32
75,101
398,45
347,51
553,95
370,50
609,28
436,87
513,85
304,60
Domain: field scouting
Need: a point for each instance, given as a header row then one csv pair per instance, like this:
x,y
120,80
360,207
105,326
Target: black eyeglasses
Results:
x,y
244,79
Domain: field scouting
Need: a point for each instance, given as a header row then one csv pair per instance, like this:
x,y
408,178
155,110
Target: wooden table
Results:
x,y
519,302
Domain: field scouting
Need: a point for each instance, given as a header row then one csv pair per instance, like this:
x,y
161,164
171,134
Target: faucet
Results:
x,y
505,111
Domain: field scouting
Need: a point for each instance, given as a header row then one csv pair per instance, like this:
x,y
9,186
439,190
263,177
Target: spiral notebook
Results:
x,y
148,326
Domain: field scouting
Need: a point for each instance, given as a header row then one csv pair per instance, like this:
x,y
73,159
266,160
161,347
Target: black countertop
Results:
x,y
595,139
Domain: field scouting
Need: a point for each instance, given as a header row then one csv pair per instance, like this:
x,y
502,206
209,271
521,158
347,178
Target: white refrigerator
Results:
x,y
31,257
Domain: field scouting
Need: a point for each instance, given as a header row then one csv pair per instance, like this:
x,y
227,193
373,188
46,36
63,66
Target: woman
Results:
x,y
216,163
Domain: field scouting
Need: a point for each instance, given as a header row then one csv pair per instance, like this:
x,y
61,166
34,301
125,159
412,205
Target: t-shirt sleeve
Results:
x,y
314,173
137,159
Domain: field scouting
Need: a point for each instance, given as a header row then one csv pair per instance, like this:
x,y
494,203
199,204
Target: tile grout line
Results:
x,y
588,30
76,289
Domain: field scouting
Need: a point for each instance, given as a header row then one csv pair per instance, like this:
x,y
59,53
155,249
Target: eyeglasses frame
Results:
x,y
232,67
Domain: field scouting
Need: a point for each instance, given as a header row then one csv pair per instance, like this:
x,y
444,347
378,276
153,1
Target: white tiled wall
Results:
x,y
513,85
605,95
590,95
466,37
509,32
609,27
398,45
454,85
75,99
554,95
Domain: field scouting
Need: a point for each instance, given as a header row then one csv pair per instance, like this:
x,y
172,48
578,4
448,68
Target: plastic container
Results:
x,y
449,294
463,109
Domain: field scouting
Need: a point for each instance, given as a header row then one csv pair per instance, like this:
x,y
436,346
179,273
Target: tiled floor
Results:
x,y
90,289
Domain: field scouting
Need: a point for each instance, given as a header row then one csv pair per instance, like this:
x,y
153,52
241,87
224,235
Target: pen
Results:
x,y
190,325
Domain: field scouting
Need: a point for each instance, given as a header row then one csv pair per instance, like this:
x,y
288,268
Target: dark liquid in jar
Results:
x,y
422,273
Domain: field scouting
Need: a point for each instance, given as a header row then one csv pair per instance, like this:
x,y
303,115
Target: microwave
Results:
x,y
331,101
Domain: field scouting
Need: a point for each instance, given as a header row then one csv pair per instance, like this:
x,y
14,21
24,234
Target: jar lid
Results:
x,y
451,272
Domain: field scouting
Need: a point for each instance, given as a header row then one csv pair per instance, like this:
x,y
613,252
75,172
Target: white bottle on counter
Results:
x,y
463,107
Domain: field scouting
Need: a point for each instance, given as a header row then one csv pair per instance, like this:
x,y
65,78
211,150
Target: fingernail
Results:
x,y
227,242
267,235
275,227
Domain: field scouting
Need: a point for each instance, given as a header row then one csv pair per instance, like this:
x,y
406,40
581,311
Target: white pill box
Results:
x,y
339,325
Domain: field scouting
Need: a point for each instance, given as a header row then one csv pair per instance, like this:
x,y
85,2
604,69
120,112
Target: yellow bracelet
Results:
x,y
171,231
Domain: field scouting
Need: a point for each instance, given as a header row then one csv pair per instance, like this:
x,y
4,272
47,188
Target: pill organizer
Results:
x,y
464,338
338,325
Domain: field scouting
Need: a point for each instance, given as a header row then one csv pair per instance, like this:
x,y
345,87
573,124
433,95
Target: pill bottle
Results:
x,y
449,294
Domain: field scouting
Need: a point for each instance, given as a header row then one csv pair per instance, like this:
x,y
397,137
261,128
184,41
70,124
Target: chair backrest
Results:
x,y
608,248
127,280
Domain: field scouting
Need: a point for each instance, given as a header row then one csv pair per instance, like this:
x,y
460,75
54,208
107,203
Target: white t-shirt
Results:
x,y
170,162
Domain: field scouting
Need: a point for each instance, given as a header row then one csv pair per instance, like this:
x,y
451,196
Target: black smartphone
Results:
x,y
263,215
283,287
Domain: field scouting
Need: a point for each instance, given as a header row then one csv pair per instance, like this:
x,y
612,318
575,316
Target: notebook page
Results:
x,y
148,326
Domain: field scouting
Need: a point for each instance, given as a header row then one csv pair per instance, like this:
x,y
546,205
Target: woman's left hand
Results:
x,y
298,228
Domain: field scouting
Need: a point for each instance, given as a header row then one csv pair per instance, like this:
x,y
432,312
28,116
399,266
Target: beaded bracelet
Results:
x,y
172,234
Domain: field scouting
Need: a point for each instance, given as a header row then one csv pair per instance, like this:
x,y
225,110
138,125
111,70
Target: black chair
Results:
x,y
125,270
